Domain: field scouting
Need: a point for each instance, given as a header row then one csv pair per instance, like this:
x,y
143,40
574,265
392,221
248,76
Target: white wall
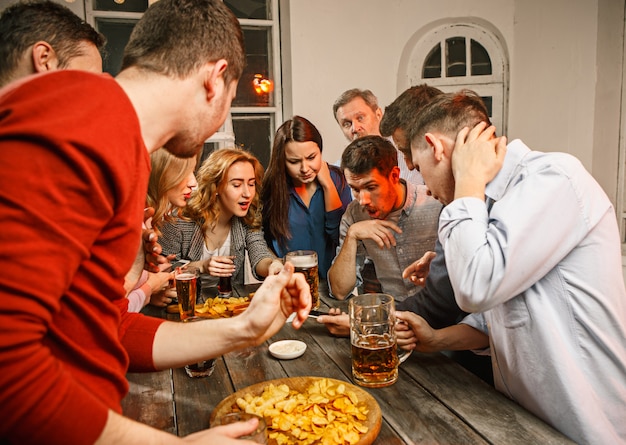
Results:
x,y
566,65
557,49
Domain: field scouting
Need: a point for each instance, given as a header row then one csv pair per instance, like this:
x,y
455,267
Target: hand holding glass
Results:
x,y
375,358
305,262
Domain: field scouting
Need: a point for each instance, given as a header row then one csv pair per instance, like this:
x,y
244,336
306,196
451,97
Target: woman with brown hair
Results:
x,y
304,197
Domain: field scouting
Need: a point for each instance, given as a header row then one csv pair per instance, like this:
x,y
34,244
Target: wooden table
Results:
x,y
435,400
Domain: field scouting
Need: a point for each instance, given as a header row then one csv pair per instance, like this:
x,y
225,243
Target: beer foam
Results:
x,y
303,261
185,276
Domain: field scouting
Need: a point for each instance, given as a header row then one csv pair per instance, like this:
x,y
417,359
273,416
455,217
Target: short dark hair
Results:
x,y
367,153
448,114
27,22
177,37
348,96
400,112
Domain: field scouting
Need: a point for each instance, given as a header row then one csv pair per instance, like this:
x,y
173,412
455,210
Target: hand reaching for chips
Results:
x,y
327,413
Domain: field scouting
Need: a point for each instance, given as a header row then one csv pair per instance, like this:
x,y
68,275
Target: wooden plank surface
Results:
x,y
435,400
149,400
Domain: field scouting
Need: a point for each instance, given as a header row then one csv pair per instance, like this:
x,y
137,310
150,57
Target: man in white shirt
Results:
x,y
531,242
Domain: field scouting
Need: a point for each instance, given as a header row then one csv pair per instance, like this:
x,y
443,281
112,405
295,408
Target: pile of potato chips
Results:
x,y
222,307
325,413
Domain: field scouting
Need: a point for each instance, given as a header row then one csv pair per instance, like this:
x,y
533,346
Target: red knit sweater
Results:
x,y
73,180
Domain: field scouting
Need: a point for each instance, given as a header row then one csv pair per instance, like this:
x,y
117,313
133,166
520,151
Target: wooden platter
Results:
x,y
300,384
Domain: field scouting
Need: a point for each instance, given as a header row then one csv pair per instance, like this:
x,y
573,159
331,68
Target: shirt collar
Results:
x,y
515,151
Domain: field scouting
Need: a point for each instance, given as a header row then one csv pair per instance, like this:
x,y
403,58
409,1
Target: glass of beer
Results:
x,y
375,358
186,291
305,262
224,287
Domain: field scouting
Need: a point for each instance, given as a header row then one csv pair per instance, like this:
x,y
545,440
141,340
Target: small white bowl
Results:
x,y
287,349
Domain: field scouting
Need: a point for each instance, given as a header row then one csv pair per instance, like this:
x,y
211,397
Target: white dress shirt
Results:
x,y
544,266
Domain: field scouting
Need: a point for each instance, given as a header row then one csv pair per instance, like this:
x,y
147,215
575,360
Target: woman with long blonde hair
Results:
x,y
171,182
222,220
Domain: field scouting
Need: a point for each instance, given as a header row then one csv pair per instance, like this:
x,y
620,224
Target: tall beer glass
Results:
x,y
375,357
305,261
186,292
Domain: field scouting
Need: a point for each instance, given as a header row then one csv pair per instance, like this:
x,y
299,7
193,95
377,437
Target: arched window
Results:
x,y
455,56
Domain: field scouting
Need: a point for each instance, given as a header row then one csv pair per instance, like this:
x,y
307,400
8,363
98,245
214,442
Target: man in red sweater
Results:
x,y
74,165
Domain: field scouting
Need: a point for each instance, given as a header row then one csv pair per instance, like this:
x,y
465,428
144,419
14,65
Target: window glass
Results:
x,y
249,9
207,149
455,60
257,42
432,65
481,63
253,133
117,32
488,100
120,5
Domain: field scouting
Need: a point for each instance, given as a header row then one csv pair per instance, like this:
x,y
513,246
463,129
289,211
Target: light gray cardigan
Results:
x,y
185,240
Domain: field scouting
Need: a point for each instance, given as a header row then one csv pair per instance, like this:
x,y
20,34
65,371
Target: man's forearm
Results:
x,y
124,431
178,344
460,337
342,274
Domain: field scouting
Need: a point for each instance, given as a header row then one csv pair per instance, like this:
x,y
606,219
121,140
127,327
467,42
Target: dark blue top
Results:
x,y
312,228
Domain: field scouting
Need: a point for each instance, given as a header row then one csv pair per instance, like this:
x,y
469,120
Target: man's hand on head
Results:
x,y
476,159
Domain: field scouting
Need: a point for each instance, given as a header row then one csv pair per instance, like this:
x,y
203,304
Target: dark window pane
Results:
x,y
257,41
207,149
488,100
253,132
481,63
121,5
117,32
249,9
432,65
455,60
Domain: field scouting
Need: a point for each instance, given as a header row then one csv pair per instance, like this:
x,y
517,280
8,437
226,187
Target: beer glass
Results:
x,y
203,368
375,358
305,261
224,285
186,292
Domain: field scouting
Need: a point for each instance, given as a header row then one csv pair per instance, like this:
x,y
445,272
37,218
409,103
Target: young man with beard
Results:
x,y
79,144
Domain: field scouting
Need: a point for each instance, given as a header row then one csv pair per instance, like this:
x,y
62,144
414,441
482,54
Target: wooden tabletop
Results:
x,y
435,400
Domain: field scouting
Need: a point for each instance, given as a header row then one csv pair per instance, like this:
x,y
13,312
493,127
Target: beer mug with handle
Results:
x,y
375,355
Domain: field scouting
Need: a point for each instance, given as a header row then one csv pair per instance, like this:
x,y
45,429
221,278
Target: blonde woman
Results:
x,y
171,183
222,220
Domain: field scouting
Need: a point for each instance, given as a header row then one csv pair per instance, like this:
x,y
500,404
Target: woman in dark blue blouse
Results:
x,y
303,196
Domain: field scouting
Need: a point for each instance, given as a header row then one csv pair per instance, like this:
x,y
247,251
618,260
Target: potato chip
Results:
x,y
325,413
222,307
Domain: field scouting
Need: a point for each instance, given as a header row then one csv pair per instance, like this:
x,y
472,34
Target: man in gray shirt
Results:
x,y
390,221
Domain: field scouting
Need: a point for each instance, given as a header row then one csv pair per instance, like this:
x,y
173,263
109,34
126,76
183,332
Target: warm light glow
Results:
x,y
262,85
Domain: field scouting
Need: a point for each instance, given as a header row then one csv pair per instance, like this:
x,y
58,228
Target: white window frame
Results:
x,y
494,85
225,136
